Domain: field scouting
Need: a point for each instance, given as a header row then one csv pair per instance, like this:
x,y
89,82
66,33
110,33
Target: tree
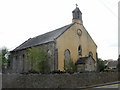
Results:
x,y
38,58
100,65
4,57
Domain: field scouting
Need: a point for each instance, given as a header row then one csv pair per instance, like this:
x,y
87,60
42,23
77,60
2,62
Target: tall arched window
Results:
x,y
23,56
80,51
67,58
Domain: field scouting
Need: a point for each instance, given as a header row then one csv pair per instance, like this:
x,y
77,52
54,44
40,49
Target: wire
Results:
x,y
106,6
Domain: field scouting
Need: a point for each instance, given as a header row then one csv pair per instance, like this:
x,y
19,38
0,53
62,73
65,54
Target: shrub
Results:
x,y
100,65
71,67
38,58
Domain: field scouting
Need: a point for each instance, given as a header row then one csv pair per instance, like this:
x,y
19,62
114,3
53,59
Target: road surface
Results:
x,y
105,87
110,86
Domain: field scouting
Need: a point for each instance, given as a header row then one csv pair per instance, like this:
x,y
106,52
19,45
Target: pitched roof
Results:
x,y
112,63
76,10
82,60
44,38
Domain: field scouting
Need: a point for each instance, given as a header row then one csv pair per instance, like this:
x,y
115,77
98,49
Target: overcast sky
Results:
x,y
24,19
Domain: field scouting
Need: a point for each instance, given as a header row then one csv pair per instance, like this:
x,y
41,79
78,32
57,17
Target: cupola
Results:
x,y
77,15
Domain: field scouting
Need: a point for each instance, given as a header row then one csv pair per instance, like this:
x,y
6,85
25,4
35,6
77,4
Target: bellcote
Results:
x,y
77,15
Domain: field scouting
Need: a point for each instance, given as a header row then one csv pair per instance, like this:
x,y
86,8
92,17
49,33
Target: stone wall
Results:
x,y
57,80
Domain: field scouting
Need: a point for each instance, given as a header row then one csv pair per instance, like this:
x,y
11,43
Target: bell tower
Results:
x,y
77,15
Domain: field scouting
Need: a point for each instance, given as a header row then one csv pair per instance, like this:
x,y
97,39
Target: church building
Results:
x,y
70,42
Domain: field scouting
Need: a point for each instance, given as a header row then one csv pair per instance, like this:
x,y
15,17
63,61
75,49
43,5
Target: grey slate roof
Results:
x,y
112,63
44,38
82,60
76,10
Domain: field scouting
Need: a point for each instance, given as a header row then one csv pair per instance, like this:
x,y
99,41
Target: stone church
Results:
x,y
68,42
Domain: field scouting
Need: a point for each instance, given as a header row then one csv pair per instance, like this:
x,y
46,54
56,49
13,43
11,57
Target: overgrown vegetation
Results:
x,y
38,59
4,58
100,65
71,67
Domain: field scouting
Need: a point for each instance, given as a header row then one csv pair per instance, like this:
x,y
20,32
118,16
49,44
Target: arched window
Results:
x,y
67,58
90,54
16,57
49,52
23,56
79,51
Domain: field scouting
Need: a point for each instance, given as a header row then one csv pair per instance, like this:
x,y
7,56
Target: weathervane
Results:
x,y
76,5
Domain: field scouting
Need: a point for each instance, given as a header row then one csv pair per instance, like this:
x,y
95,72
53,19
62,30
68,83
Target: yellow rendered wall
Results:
x,y
70,40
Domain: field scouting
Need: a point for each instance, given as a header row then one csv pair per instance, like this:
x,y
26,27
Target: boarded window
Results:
x,y
67,59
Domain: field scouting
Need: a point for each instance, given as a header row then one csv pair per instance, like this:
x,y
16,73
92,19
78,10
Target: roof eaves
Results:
x,y
21,44
32,46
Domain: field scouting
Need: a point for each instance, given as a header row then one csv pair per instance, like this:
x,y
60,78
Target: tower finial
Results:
x,y
77,15
76,5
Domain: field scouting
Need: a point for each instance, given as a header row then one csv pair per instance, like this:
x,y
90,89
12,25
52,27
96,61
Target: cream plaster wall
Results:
x,y
71,40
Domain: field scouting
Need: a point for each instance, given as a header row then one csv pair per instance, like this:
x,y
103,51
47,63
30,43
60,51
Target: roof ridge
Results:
x,y
52,30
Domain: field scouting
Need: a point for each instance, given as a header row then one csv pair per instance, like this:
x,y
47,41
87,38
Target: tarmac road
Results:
x,y
107,86
110,86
